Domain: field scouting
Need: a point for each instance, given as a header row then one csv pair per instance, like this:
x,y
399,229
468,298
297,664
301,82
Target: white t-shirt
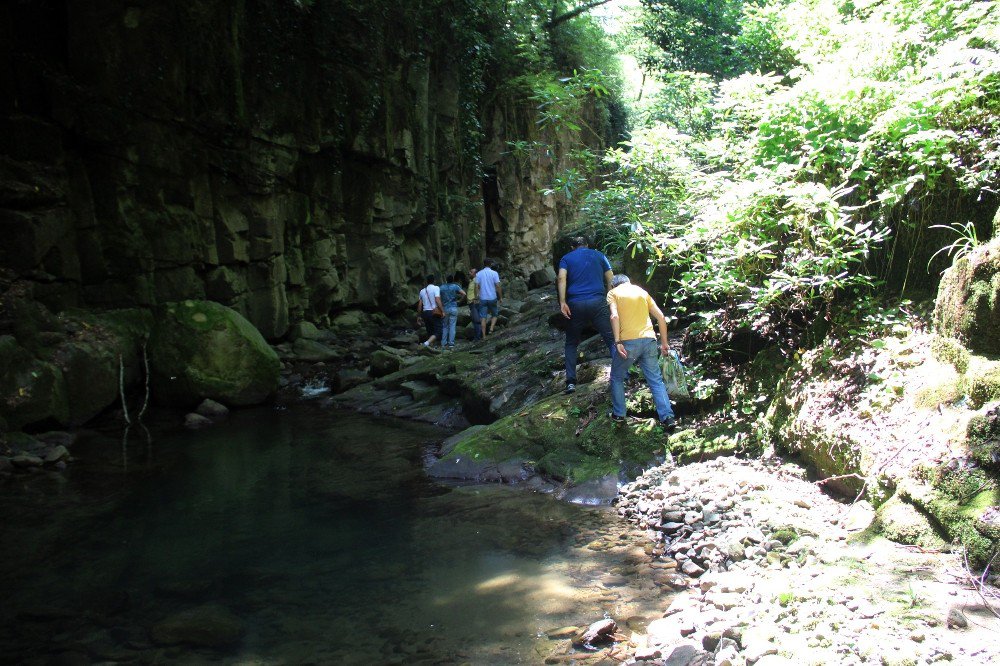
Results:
x,y
487,279
428,295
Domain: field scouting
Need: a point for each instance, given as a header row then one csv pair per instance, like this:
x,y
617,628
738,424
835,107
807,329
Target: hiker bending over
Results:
x,y
631,307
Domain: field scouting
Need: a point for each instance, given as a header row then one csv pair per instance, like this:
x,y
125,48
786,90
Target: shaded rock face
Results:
x,y
200,349
275,160
968,302
286,159
64,369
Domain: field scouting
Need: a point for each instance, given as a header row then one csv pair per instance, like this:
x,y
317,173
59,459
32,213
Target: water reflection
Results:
x,y
300,537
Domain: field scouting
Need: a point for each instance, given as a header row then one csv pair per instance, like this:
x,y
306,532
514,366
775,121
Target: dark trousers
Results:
x,y
593,313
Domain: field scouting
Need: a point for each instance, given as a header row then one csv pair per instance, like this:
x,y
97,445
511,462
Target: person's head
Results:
x,y
450,278
580,241
618,280
472,272
431,278
488,262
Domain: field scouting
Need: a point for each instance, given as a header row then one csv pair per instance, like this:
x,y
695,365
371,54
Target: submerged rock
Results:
x,y
211,409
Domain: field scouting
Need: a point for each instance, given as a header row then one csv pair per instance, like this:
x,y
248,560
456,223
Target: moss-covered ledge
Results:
x,y
565,437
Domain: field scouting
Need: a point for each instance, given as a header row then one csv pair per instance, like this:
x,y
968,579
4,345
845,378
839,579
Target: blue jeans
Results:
x,y
594,313
448,325
477,331
646,352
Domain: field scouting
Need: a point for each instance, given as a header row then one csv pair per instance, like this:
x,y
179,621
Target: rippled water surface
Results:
x,y
314,535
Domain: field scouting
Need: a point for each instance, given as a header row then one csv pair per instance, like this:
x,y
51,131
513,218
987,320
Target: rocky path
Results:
x,y
773,571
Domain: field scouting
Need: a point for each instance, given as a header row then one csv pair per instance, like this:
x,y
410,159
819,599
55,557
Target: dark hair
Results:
x,y
619,280
580,241
450,278
487,262
431,278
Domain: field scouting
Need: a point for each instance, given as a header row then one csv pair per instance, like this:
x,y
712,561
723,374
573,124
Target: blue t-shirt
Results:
x,y
584,274
449,294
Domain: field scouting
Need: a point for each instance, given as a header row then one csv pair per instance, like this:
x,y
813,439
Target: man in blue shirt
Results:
x,y
584,279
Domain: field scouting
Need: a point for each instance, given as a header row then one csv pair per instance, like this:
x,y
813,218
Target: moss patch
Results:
x,y
567,437
984,387
902,522
706,443
950,350
956,516
984,439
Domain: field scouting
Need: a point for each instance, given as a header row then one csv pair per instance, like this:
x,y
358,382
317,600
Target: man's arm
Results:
x,y
662,322
499,290
616,327
563,305
437,299
608,274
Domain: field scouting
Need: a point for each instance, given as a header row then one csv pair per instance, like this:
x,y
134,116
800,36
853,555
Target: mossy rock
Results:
x,y
968,302
984,387
957,516
567,437
105,345
983,437
705,443
384,363
31,390
948,392
950,350
902,522
201,349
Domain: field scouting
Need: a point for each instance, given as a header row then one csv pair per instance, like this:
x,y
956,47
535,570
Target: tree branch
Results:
x,y
573,13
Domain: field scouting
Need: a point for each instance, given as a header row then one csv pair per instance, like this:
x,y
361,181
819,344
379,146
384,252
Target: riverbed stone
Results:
x,y
201,349
314,351
213,410
195,421
208,626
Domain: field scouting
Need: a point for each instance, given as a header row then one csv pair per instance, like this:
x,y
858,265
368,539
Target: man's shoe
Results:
x,y
669,425
570,388
616,419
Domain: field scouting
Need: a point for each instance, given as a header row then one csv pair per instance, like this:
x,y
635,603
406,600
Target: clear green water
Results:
x,y
317,531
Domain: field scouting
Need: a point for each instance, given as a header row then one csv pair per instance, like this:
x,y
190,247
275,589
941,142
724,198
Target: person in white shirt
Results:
x,y
490,295
430,310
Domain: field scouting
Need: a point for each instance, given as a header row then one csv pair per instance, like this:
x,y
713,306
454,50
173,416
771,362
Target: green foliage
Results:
x,y
966,241
765,198
722,38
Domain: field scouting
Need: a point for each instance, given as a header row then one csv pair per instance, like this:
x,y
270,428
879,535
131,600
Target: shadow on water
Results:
x,y
313,535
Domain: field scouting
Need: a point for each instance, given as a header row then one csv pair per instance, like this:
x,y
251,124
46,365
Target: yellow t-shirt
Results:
x,y
472,291
632,304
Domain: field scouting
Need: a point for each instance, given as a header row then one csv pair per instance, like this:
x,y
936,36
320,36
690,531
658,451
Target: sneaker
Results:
x,y
669,425
616,419
427,344
570,388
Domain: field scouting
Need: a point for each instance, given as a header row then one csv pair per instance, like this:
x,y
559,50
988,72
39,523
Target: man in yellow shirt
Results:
x,y
631,307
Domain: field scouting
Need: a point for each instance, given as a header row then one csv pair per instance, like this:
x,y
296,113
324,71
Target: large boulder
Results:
x,y
31,390
968,301
201,349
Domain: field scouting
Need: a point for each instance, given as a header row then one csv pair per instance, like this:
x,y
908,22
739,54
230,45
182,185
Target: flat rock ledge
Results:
x,y
769,570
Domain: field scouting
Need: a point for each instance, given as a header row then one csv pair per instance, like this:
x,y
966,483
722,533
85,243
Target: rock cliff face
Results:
x,y
286,161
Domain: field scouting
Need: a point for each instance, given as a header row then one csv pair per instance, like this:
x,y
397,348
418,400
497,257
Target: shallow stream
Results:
x,y
314,536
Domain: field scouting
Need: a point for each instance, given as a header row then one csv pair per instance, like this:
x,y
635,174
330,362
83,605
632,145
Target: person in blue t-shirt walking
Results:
x,y
450,295
584,280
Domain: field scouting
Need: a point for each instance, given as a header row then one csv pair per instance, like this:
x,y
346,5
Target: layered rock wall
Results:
x,y
286,159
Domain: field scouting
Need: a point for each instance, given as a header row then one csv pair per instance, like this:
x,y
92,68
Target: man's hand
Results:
x,y
664,348
564,308
621,350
